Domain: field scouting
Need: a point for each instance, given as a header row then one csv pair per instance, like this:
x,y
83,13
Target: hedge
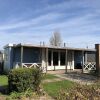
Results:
x,y
80,92
22,79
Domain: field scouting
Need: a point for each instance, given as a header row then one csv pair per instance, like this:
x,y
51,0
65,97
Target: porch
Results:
x,y
71,60
54,59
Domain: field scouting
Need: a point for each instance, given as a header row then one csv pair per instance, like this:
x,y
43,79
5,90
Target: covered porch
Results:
x,y
59,59
71,60
51,59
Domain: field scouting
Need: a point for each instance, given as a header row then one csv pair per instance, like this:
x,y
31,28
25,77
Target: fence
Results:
x,y
89,67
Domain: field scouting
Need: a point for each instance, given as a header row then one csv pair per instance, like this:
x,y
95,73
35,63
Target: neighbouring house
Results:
x,y
49,58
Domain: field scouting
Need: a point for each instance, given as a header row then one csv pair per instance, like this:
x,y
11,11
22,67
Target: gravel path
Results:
x,y
79,78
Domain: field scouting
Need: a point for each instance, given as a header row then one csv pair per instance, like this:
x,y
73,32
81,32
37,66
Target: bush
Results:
x,y
80,92
21,79
27,95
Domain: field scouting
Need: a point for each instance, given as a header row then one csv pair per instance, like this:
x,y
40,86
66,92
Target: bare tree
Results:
x,y
55,39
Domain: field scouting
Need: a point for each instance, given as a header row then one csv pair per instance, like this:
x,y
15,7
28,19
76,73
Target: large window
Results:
x,y
62,58
49,58
31,55
55,58
91,56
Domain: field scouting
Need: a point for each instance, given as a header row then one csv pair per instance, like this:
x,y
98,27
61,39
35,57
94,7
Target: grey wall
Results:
x,y
11,57
17,54
8,58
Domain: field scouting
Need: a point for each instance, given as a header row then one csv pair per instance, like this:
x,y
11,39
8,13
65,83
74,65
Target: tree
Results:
x,y
55,39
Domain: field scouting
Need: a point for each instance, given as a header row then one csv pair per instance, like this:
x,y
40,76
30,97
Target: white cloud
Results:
x,y
49,17
78,23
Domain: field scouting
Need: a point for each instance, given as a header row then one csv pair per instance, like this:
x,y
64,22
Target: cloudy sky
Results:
x,y
32,21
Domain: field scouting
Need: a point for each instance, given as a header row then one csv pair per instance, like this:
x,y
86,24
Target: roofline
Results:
x,y
71,48
8,45
53,47
49,47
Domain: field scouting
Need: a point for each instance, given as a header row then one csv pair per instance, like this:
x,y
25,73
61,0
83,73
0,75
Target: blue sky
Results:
x,y
32,21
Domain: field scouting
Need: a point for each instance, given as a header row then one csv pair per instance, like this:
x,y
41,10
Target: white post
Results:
x,y
86,57
73,59
51,58
43,57
21,56
46,58
82,61
59,58
66,62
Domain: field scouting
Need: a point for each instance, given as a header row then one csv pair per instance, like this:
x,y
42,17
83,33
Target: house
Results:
x,y
49,58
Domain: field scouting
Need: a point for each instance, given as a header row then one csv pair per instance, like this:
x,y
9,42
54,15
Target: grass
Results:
x,y
49,76
3,80
53,88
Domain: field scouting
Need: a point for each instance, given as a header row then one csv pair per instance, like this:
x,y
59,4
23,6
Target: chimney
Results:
x,y
64,44
40,43
43,43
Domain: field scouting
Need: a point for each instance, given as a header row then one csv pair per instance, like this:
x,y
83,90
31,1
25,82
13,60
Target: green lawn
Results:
x,y
3,80
53,88
49,76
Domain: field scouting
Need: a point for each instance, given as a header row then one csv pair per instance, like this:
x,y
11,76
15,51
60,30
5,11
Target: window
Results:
x,y
62,58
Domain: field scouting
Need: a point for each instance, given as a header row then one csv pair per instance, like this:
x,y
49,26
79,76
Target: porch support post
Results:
x,y
73,59
21,56
82,61
43,57
86,57
97,47
51,58
46,58
59,58
66,62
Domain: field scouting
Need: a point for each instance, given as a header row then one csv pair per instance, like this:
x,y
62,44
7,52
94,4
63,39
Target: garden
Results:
x,y
27,84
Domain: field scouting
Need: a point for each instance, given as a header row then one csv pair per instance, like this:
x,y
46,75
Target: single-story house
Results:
x,y
48,57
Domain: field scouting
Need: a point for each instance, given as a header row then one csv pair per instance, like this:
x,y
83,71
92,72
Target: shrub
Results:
x,y
27,95
13,96
21,79
80,92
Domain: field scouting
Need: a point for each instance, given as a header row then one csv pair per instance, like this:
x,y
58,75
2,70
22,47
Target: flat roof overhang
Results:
x,y
53,47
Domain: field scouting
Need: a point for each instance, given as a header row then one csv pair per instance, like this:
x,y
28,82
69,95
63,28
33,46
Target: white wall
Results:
x,y
59,67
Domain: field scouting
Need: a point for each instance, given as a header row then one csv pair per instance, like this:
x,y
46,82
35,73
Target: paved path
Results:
x,y
78,79
75,77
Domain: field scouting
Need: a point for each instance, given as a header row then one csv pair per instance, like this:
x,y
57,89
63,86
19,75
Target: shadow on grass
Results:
x,y
4,84
4,90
